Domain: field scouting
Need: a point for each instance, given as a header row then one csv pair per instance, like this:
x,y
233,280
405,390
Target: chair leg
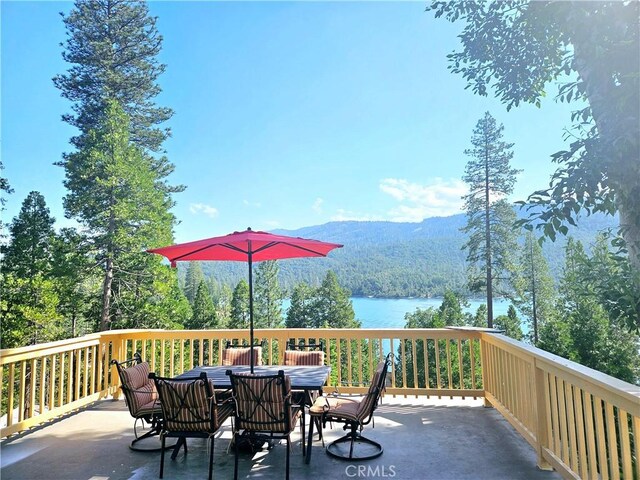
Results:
x,y
310,442
303,430
211,446
162,457
288,450
235,449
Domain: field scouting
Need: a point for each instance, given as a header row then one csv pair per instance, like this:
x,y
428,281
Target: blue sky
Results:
x,y
286,114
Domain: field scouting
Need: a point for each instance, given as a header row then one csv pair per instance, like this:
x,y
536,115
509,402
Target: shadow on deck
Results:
x,y
423,439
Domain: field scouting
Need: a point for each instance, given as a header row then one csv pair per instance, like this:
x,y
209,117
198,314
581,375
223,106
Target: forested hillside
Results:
x,y
387,259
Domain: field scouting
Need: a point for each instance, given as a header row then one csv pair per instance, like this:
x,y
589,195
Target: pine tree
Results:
x,y
113,194
29,295
192,281
240,306
489,215
268,296
510,323
334,308
112,46
533,285
204,313
31,234
302,311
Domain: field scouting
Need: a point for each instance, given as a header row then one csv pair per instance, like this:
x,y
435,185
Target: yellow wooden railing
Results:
x,y
581,422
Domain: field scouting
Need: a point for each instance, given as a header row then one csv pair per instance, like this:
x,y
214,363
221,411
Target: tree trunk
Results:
x,y
489,259
106,295
621,165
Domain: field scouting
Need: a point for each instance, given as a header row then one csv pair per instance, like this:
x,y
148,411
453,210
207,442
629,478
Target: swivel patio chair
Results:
x,y
354,412
141,398
189,411
263,408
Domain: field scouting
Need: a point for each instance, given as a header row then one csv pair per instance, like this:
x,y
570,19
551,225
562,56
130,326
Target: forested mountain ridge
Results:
x,y
393,259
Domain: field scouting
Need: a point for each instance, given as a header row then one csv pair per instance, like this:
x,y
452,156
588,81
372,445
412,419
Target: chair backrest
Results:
x,y
295,357
139,391
188,404
241,356
292,345
263,402
376,389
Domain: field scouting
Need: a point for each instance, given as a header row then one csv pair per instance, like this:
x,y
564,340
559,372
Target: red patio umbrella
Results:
x,y
247,246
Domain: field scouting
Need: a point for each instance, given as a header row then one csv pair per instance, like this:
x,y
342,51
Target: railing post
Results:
x,y
542,432
484,361
118,351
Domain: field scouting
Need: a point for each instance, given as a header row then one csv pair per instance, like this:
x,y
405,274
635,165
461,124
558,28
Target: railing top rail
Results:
x,y
9,355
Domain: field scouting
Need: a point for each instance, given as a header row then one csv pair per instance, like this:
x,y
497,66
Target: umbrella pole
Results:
x,y
251,307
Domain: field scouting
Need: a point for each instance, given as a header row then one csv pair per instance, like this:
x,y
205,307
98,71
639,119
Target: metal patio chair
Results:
x,y
141,398
263,408
189,411
354,412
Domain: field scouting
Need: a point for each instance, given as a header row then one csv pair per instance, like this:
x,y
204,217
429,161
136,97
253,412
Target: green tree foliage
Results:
x,y
240,306
327,306
510,323
591,49
112,46
584,330
490,218
29,294
534,289
76,282
204,313
301,312
113,194
194,277
449,313
267,306
31,232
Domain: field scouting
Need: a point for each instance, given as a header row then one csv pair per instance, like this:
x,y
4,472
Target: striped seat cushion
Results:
x,y
356,409
241,356
139,390
295,357
260,404
187,408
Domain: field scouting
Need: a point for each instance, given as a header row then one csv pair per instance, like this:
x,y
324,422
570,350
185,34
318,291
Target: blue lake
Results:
x,y
390,312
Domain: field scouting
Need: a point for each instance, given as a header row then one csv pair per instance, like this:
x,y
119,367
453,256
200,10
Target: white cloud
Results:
x,y
317,205
208,210
252,204
417,202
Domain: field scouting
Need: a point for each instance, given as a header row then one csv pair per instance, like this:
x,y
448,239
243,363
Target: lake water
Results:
x,y
390,312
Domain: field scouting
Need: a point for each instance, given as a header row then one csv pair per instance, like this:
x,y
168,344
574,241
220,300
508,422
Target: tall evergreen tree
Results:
x,y
302,311
112,46
533,285
204,313
334,308
240,306
489,215
29,298
193,278
31,234
113,194
268,296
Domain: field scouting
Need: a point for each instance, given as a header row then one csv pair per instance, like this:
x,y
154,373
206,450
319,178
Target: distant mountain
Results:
x,y
389,259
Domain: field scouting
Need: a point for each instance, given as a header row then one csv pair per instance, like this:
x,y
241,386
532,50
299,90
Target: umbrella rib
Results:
x,y
269,245
226,245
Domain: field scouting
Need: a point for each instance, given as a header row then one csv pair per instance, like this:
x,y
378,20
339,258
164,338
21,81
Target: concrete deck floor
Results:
x,y
423,439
